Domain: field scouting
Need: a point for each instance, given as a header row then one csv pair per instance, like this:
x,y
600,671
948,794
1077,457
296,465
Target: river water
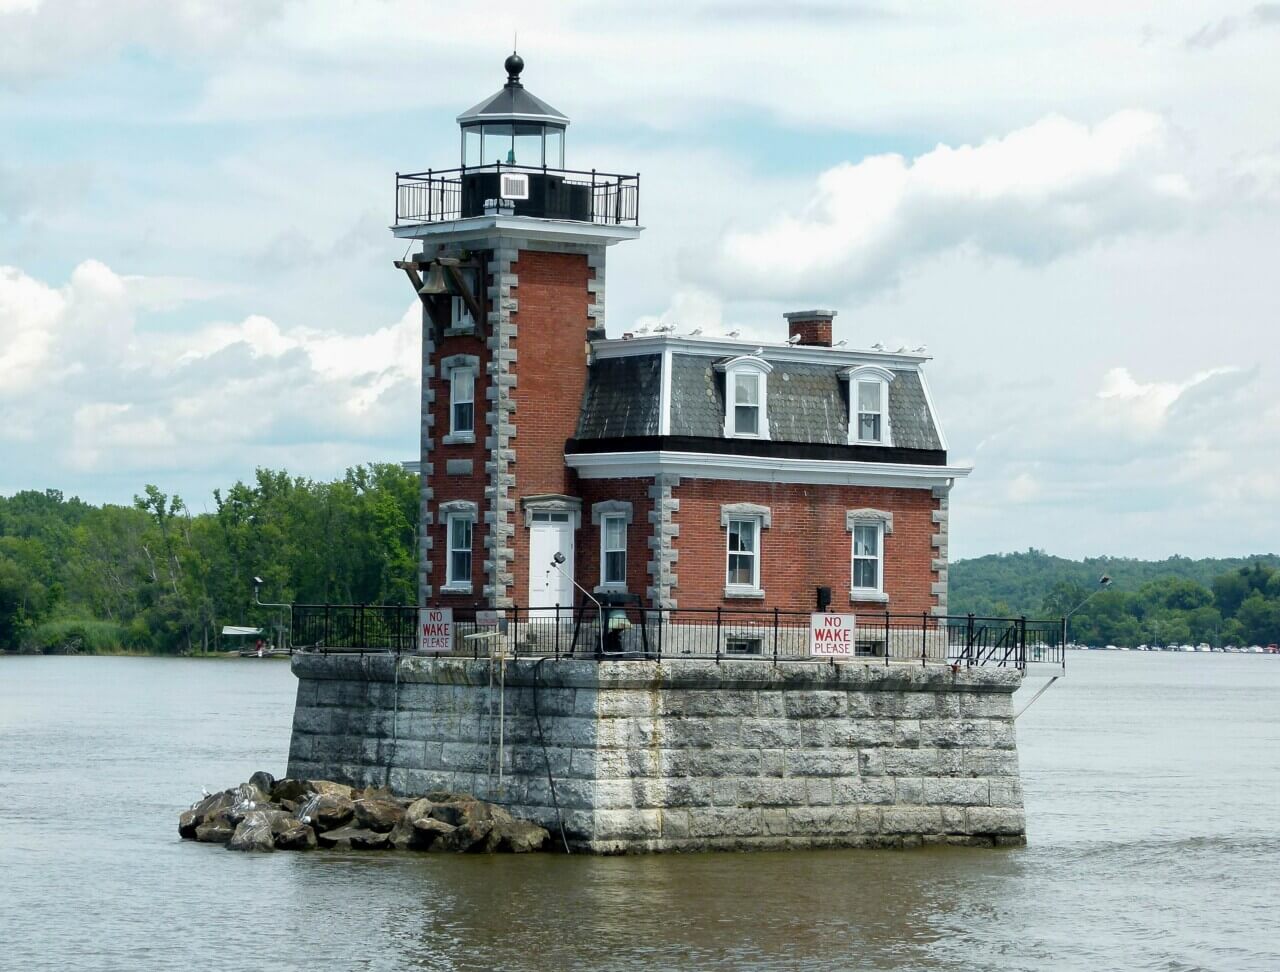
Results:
x,y
1153,805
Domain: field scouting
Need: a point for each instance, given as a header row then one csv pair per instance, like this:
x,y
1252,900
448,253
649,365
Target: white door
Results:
x,y
549,534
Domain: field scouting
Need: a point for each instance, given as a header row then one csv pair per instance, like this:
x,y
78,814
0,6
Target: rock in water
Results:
x,y
191,819
375,813
355,838
295,790
253,833
297,836
247,798
519,837
215,829
328,786
330,810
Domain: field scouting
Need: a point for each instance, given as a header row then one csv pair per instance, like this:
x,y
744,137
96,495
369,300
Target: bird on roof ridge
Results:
x,y
840,344
733,333
695,332
877,346
920,350
794,339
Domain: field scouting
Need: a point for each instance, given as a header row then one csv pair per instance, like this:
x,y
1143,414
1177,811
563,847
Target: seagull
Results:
x,y
695,332
920,350
733,334
794,339
643,330
757,352
664,328
840,344
901,349
205,790
877,347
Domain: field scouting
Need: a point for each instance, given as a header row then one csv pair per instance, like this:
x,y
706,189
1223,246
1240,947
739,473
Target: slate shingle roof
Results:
x,y
622,397
807,402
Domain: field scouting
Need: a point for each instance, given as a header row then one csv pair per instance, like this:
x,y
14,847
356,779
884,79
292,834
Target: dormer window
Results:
x,y
869,405
870,411
746,397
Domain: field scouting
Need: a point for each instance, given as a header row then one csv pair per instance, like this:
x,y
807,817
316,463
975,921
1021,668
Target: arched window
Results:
x,y
869,405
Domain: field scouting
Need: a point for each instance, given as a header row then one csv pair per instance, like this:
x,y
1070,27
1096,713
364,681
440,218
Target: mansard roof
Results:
x,y
808,393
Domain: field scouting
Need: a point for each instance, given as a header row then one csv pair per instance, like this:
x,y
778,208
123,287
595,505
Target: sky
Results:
x,y
1074,207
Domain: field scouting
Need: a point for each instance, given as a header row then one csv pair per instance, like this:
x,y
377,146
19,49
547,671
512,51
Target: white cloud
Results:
x,y
82,371
1032,195
1143,408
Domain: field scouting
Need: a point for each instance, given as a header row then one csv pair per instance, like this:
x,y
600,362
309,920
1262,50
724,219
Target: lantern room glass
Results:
x,y
526,143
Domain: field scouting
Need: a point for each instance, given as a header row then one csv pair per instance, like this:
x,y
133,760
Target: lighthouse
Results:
x,y
510,271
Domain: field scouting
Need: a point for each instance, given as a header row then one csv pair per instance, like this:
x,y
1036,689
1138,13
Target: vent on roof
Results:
x,y
515,185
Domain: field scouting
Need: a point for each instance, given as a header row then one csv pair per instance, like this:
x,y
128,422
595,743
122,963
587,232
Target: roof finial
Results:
x,y
514,65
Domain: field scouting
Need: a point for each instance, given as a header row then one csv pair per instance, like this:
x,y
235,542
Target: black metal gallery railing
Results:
x,y
710,633
584,196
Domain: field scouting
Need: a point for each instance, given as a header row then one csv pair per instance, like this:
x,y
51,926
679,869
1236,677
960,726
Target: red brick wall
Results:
x,y
551,373
807,544
587,559
458,487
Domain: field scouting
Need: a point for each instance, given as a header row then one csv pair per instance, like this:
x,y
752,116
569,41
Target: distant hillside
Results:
x,y
1009,585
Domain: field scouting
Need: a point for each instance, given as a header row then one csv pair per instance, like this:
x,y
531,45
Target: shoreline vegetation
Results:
x,y
155,579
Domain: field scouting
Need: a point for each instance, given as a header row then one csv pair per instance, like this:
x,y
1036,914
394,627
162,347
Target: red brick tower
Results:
x,y
511,274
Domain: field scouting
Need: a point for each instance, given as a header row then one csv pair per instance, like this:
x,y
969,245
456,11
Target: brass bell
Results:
x,y
434,282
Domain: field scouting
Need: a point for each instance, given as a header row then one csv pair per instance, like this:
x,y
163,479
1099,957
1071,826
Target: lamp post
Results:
x,y
556,561
1103,583
257,583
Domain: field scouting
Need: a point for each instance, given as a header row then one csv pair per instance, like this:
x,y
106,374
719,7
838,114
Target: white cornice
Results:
x,y
530,227
777,353
760,469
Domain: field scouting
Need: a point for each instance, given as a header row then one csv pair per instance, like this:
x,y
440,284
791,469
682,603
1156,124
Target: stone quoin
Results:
x,y
564,462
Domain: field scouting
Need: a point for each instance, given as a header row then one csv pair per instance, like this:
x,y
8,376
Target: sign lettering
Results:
x,y
832,635
435,629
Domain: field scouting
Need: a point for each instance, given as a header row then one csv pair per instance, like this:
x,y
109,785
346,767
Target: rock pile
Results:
x,y
266,814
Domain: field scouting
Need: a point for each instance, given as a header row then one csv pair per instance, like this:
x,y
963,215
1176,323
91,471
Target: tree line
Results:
x,y
155,577
1230,601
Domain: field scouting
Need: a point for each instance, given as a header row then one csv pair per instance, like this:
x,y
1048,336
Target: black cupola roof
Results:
x,y
513,103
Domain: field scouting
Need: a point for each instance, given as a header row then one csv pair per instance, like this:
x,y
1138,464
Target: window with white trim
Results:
x,y
742,570
871,410
869,405
746,403
613,551
868,557
746,397
462,401
458,531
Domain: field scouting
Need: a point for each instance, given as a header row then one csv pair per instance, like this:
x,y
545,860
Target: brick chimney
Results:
x,y
812,327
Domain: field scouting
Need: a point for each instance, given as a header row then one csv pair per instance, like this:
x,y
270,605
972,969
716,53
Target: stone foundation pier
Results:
x,y
635,756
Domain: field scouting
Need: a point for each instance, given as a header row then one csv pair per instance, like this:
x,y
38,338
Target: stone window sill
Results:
x,y
748,593
456,589
611,588
459,438
868,597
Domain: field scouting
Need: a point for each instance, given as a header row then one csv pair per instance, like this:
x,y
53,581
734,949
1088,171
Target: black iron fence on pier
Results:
x,y
620,633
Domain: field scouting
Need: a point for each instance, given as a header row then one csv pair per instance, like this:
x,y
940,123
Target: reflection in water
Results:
x,y
1147,783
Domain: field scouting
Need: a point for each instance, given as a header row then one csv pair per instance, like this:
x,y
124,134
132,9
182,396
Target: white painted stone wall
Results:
x,y
681,754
